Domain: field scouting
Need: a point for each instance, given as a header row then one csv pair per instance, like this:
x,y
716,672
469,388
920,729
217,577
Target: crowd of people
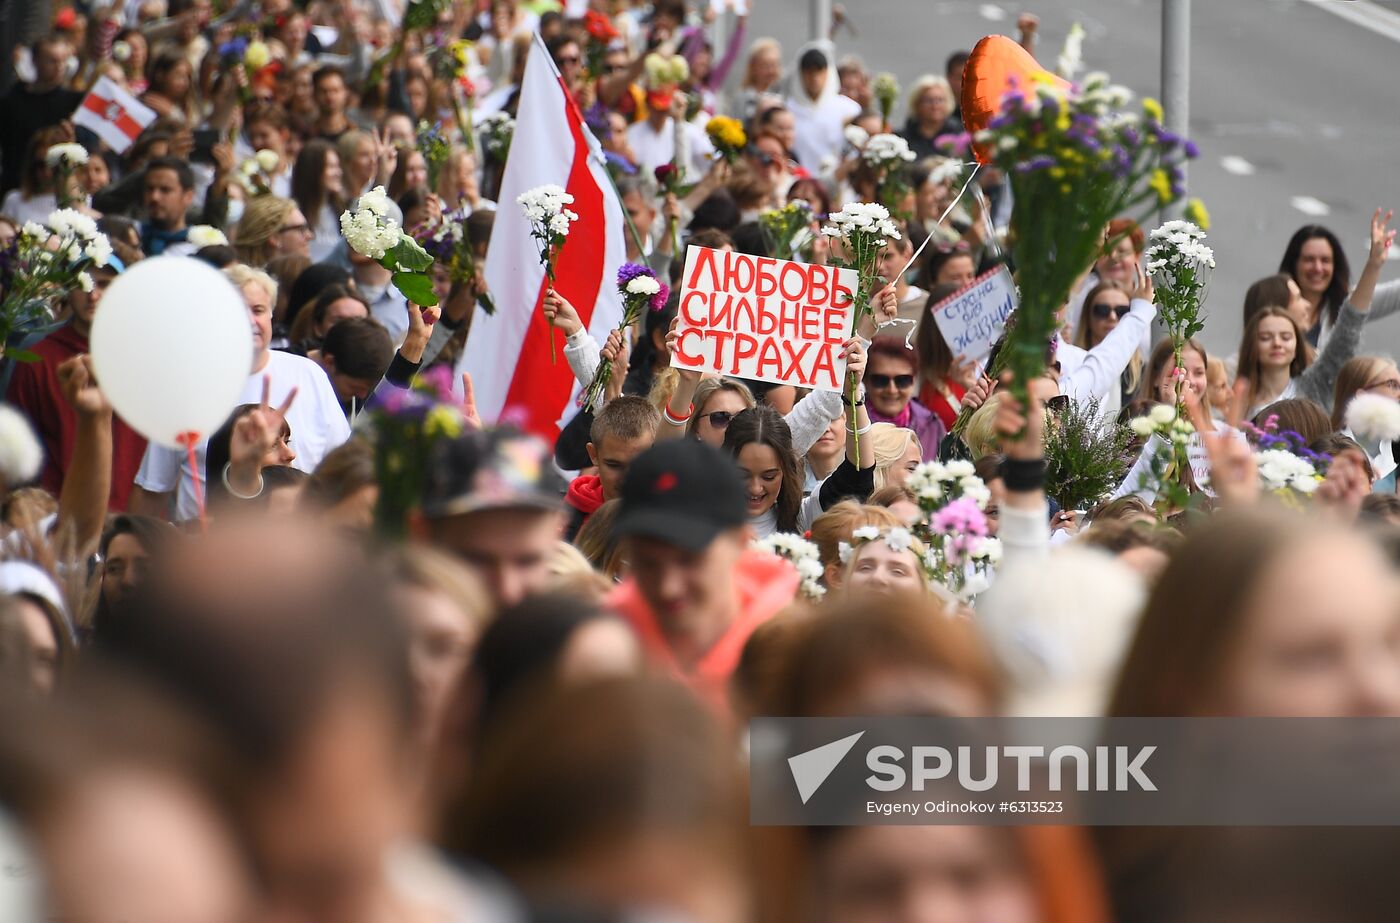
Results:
x,y
228,694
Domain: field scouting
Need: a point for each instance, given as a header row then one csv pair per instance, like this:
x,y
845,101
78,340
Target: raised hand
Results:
x,y
673,338
79,386
560,313
1381,236
1345,486
616,350
854,354
469,411
258,431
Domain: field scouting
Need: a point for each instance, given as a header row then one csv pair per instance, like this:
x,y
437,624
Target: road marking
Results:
x,y
1237,165
1310,206
1365,14
992,12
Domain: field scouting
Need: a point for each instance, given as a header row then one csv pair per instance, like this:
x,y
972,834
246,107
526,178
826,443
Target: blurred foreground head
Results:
x,y
620,794
289,648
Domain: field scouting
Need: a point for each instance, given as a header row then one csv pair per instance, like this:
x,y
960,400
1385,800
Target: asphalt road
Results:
x,y
1294,109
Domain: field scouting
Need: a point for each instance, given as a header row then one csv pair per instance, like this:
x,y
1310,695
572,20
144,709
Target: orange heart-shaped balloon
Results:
x,y
996,66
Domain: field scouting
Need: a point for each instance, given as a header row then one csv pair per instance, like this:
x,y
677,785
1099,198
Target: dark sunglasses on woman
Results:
x,y
719,419
1102,310
902,382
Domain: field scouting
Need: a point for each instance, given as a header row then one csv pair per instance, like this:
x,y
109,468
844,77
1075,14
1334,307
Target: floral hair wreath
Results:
x,y
897,538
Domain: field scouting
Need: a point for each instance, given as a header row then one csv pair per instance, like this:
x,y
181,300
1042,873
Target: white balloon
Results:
x,y
172,347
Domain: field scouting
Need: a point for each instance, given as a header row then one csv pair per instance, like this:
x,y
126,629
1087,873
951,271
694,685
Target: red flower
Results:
x,y
665,172
599,27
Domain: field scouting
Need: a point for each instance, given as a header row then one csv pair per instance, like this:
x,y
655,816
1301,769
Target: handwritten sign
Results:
x,y
972,319
764,319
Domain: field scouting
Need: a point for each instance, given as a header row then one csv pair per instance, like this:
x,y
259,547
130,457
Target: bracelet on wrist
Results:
x,y
859,432
1023,474
675,420
234,493
858,402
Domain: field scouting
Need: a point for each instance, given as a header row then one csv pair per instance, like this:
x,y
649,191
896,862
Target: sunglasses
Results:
x,y
719,419
902,382
1101,310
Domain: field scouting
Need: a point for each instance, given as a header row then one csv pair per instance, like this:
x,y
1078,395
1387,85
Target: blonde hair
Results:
x,y
570,572
890,442
262,218
1352,379
923,85
447,177
242,275
835,526
980,434
428,569
757,48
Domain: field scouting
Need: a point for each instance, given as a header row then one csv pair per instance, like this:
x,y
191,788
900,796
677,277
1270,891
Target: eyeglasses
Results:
x,y
902,382
298,229
1102,310
1388,384
719,419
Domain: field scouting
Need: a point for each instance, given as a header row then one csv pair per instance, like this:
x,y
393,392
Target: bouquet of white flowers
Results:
x,y
44,264
864,230
640,291
496,128
886,156
803,555
255,173
549,226
371,232
63,159
1180,264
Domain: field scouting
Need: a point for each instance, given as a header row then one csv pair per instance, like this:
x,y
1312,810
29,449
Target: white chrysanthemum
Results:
x,y
267,160
204,235
1162,414
886,149
959,468
1374,418
1281,470
899,538
856,136
248,167
74,154
1143,426
986,549
85,281
99,250
368,233
844,552
1072,55
35,230
72,223
866,533
20,452
376,201
643,285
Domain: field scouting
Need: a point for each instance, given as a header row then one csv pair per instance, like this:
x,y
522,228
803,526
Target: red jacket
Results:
x,y
34,389
765,584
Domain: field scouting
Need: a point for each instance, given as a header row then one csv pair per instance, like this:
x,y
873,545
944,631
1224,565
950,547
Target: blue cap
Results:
x,y
114,263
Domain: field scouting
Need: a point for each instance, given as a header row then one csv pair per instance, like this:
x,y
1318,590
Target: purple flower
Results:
x,y
1041,162
1191,149
437,381
629,271
619,162
1167,140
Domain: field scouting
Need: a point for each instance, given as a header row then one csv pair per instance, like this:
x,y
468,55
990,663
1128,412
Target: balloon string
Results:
x,y
941,218
189,441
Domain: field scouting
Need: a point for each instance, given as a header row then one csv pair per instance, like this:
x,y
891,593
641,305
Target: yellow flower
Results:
x,y
1152,108
442,421
1062,120
1197,214
1162,185
726,132
459,50
1057,172
257,55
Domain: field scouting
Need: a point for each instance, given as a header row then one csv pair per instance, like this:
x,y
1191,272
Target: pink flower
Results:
x,y
960,518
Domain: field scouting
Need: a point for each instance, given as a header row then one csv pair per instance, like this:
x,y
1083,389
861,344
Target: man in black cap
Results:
x,y
494,500
696,592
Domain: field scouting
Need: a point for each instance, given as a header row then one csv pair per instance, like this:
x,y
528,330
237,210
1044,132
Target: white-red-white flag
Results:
x,y
507,353
113,114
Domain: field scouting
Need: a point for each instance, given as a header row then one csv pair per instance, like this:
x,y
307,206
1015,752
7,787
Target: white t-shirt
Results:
x,y
821,127
318,425
653,148
36,209
327,229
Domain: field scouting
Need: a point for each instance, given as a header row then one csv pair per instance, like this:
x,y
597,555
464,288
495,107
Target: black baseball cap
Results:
x,y
684,493
492,470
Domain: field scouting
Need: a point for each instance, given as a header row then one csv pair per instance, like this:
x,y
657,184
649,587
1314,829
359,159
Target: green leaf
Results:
x,y
20,355
409,255
416,287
